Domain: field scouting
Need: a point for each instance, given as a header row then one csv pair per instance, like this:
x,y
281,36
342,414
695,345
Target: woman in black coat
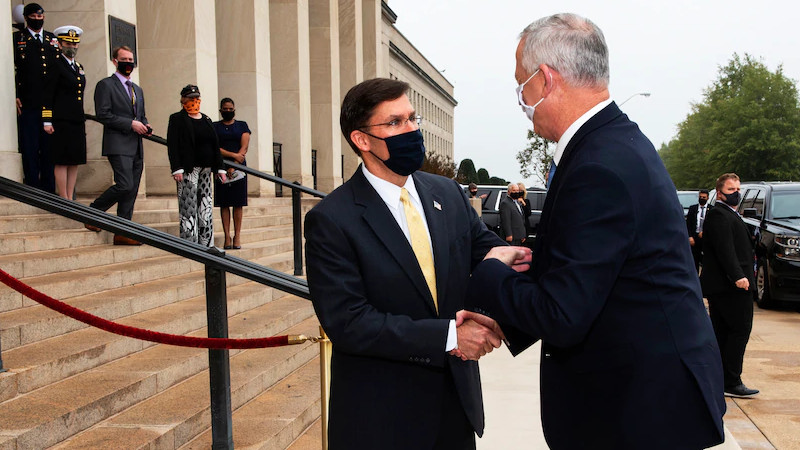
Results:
x,y
193,155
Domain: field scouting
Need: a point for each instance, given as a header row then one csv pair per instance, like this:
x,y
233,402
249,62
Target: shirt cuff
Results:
x,y
47,124
222,171
177,171
452,337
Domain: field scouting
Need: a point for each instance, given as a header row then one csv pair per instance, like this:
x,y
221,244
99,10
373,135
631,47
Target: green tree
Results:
x,y
483,176
748,123
497,181
466,172
438,165
535,159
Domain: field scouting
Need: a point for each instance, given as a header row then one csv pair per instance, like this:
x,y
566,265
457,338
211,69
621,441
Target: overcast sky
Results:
x,y
671,49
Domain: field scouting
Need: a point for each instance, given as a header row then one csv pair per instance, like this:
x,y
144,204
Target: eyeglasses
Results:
x,y
397,123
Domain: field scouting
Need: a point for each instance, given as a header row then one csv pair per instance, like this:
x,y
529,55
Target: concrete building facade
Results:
x,y
286,63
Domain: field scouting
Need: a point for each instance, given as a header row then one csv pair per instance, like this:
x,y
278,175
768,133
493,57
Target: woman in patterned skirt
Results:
x,y
193,155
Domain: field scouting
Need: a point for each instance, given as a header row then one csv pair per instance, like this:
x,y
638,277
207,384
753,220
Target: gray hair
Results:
x,y
572,45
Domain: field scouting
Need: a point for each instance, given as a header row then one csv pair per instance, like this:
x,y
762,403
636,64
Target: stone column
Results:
x,y
177,46
351,66
94,54
325,135
291,86
243,62
372,31
10,160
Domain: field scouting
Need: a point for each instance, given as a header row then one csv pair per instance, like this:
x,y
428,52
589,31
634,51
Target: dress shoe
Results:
x,y
122,240
91,227
741,391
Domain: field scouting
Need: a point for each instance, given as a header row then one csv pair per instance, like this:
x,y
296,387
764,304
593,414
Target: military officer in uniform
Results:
x,y
35,51
62,111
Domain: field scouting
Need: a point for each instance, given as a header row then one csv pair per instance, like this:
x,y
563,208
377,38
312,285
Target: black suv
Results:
x,y
490,212
771,211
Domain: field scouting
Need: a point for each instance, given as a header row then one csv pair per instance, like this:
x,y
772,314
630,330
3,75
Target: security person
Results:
x,y
62,111
35,50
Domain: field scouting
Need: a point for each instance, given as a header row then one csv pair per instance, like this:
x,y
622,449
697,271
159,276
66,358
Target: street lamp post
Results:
x,y
643,94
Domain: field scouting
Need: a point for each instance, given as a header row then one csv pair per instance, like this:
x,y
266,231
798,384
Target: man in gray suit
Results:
x,y
512,221
119,105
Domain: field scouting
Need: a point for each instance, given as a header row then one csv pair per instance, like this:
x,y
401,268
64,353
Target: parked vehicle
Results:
x,y
490,212
687,199
771,211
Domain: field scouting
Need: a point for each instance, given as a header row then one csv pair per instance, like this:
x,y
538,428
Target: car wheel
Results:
x,y
763,298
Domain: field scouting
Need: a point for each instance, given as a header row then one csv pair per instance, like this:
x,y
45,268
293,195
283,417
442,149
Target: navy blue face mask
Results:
x,y
406,152
732,199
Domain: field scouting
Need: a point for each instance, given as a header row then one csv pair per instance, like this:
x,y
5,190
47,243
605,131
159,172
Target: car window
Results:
x,y
687,199
758,202
747,199
785,205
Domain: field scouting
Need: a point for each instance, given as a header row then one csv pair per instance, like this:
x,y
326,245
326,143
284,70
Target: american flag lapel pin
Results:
x,y
437,205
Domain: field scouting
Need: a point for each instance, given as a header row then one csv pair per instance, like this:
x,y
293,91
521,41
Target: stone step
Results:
x,y
26,325
56,412
277,417
310,439
154,216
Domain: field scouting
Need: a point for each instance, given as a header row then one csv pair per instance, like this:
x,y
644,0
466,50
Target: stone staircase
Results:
x,y
73,386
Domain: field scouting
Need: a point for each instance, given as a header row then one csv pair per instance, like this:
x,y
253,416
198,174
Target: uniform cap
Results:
x,y
190,91
69,33
32,8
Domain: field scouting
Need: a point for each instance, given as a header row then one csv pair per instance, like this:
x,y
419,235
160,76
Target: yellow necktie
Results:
x,y
420,244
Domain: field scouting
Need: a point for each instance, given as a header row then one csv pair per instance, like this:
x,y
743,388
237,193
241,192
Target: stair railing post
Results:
x,y
218,360
297,231
1,357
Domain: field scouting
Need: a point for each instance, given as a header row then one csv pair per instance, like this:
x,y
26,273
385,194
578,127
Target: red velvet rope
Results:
x,y
138,333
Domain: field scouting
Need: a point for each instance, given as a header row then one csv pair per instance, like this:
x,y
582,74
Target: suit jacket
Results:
x,y
31,61
114,110
62,98
389,363
728,252
628,352
182,145
691,219
512,222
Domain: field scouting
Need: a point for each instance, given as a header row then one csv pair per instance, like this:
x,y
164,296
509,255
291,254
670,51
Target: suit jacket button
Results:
x,y
427,360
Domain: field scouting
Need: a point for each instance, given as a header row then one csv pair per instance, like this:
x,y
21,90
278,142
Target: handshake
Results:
x,y
479,334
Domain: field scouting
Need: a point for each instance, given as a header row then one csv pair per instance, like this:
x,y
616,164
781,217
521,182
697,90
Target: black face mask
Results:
x,y
473,193
702,201
125,67
227,115
732,199
35,24
515,195
406,152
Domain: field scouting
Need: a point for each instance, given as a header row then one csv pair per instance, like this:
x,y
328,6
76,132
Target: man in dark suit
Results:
x,y
512,221
695,219
728,281
34,50
629,359
389,255
119,106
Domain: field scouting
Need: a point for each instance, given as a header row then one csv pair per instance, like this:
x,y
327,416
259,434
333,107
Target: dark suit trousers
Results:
x,y
127,174
455,431
37,163
697,252
732,318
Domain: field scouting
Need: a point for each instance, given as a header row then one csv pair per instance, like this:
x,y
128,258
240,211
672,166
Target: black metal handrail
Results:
x,y
216,262
296,188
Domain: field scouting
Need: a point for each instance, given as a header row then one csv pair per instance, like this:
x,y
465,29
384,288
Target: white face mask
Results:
x,y
527,109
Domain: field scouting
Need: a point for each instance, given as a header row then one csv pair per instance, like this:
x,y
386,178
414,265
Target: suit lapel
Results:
x,y
122,90
437,226
380,220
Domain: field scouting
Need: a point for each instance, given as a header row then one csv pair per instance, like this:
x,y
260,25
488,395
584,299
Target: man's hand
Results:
x,y
474,341
509,238
486,321
222,177
19,107
238,157
139,127
518,258
691,241
743,283
49,129
178,177
700,235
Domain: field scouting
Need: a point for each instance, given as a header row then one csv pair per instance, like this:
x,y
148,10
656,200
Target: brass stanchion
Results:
x,y
325,350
